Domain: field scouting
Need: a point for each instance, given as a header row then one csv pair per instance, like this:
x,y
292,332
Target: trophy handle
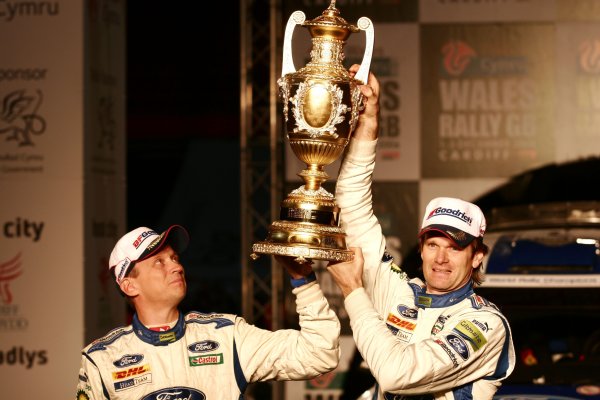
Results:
x,y
366,25
287,65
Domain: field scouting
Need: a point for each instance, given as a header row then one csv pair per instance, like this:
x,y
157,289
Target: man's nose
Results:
x,y
176,267
441,255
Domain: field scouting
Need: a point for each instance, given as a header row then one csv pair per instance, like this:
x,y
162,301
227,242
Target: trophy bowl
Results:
x,y
321,104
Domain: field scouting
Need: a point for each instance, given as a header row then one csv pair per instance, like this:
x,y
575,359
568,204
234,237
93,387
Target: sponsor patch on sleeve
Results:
x,y
448,351
470,332
459,345
400,327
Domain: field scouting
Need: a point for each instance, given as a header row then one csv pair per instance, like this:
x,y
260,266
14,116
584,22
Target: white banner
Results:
x,y
41,287
62,142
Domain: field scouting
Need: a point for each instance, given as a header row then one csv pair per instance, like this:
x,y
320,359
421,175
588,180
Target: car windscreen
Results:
x,y
529,256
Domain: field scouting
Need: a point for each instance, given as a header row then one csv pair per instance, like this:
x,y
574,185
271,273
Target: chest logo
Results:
x,y
128,359
207,359
203,346
176,393
133,371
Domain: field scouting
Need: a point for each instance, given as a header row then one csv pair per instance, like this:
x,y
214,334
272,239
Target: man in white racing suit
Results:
x,y
165,355
433,339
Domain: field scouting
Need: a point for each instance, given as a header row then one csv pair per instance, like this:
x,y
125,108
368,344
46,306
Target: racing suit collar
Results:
x,y
159,338
426,300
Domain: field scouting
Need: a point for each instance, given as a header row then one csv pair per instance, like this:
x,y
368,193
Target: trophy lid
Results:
x,y
330,24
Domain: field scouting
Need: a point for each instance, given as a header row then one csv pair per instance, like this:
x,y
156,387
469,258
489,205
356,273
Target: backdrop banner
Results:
x,y
487,105
578,88
62,171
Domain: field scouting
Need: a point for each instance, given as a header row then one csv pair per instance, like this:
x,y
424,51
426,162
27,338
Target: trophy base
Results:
x,y
304,241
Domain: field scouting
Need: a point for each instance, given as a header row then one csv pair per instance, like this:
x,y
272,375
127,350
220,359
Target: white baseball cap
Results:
x,y
456,219
140,244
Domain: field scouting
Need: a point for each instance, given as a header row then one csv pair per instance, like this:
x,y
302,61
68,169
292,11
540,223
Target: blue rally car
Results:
x,y
543,272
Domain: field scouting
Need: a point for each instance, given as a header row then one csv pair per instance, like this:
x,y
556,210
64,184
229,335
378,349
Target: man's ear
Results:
x,y
129,287
477,259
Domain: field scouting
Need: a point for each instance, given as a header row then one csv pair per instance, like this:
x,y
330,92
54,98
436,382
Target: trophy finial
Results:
x,y
330,24
332,7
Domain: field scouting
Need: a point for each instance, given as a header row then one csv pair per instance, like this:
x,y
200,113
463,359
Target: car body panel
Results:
x,y
543,272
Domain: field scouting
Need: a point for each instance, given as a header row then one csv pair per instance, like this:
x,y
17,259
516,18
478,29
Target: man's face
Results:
x,y
447,267
160,279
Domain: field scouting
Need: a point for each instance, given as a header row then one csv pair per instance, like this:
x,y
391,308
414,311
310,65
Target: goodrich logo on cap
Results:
x,y
457,219
142,237
457,213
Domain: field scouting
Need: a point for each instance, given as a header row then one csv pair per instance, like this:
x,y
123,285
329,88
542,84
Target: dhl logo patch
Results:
x,y
133,371
394,320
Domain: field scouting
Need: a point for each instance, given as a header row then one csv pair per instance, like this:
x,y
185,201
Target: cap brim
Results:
x,y
461,238
176,236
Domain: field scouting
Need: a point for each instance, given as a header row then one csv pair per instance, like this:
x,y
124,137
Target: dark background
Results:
x,y
183,120
183,102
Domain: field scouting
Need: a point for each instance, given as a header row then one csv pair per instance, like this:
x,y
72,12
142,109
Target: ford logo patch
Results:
x,y
175,393
458,345
128,359
203,346
407,312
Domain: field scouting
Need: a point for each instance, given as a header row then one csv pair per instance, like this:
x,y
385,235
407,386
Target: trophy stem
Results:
x,y
314,175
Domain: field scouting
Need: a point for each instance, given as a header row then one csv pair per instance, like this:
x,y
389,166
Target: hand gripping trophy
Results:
x,y
321,103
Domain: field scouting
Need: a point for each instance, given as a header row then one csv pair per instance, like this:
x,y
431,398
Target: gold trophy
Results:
x,y
321,103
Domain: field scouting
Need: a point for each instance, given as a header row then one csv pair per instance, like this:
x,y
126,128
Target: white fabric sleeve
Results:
x,y
289,354
354,197
90,381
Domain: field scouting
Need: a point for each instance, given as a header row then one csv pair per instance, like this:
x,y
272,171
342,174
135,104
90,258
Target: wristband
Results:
x,y
304,280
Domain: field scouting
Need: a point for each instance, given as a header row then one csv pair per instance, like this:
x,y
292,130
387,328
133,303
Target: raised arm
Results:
x,y
353,188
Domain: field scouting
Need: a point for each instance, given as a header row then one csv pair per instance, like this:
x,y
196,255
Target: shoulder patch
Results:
x,y
398,270
111,337
479,302
387,257
220,320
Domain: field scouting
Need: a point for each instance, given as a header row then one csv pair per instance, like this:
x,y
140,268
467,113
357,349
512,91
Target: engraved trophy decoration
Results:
x,y
321,103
